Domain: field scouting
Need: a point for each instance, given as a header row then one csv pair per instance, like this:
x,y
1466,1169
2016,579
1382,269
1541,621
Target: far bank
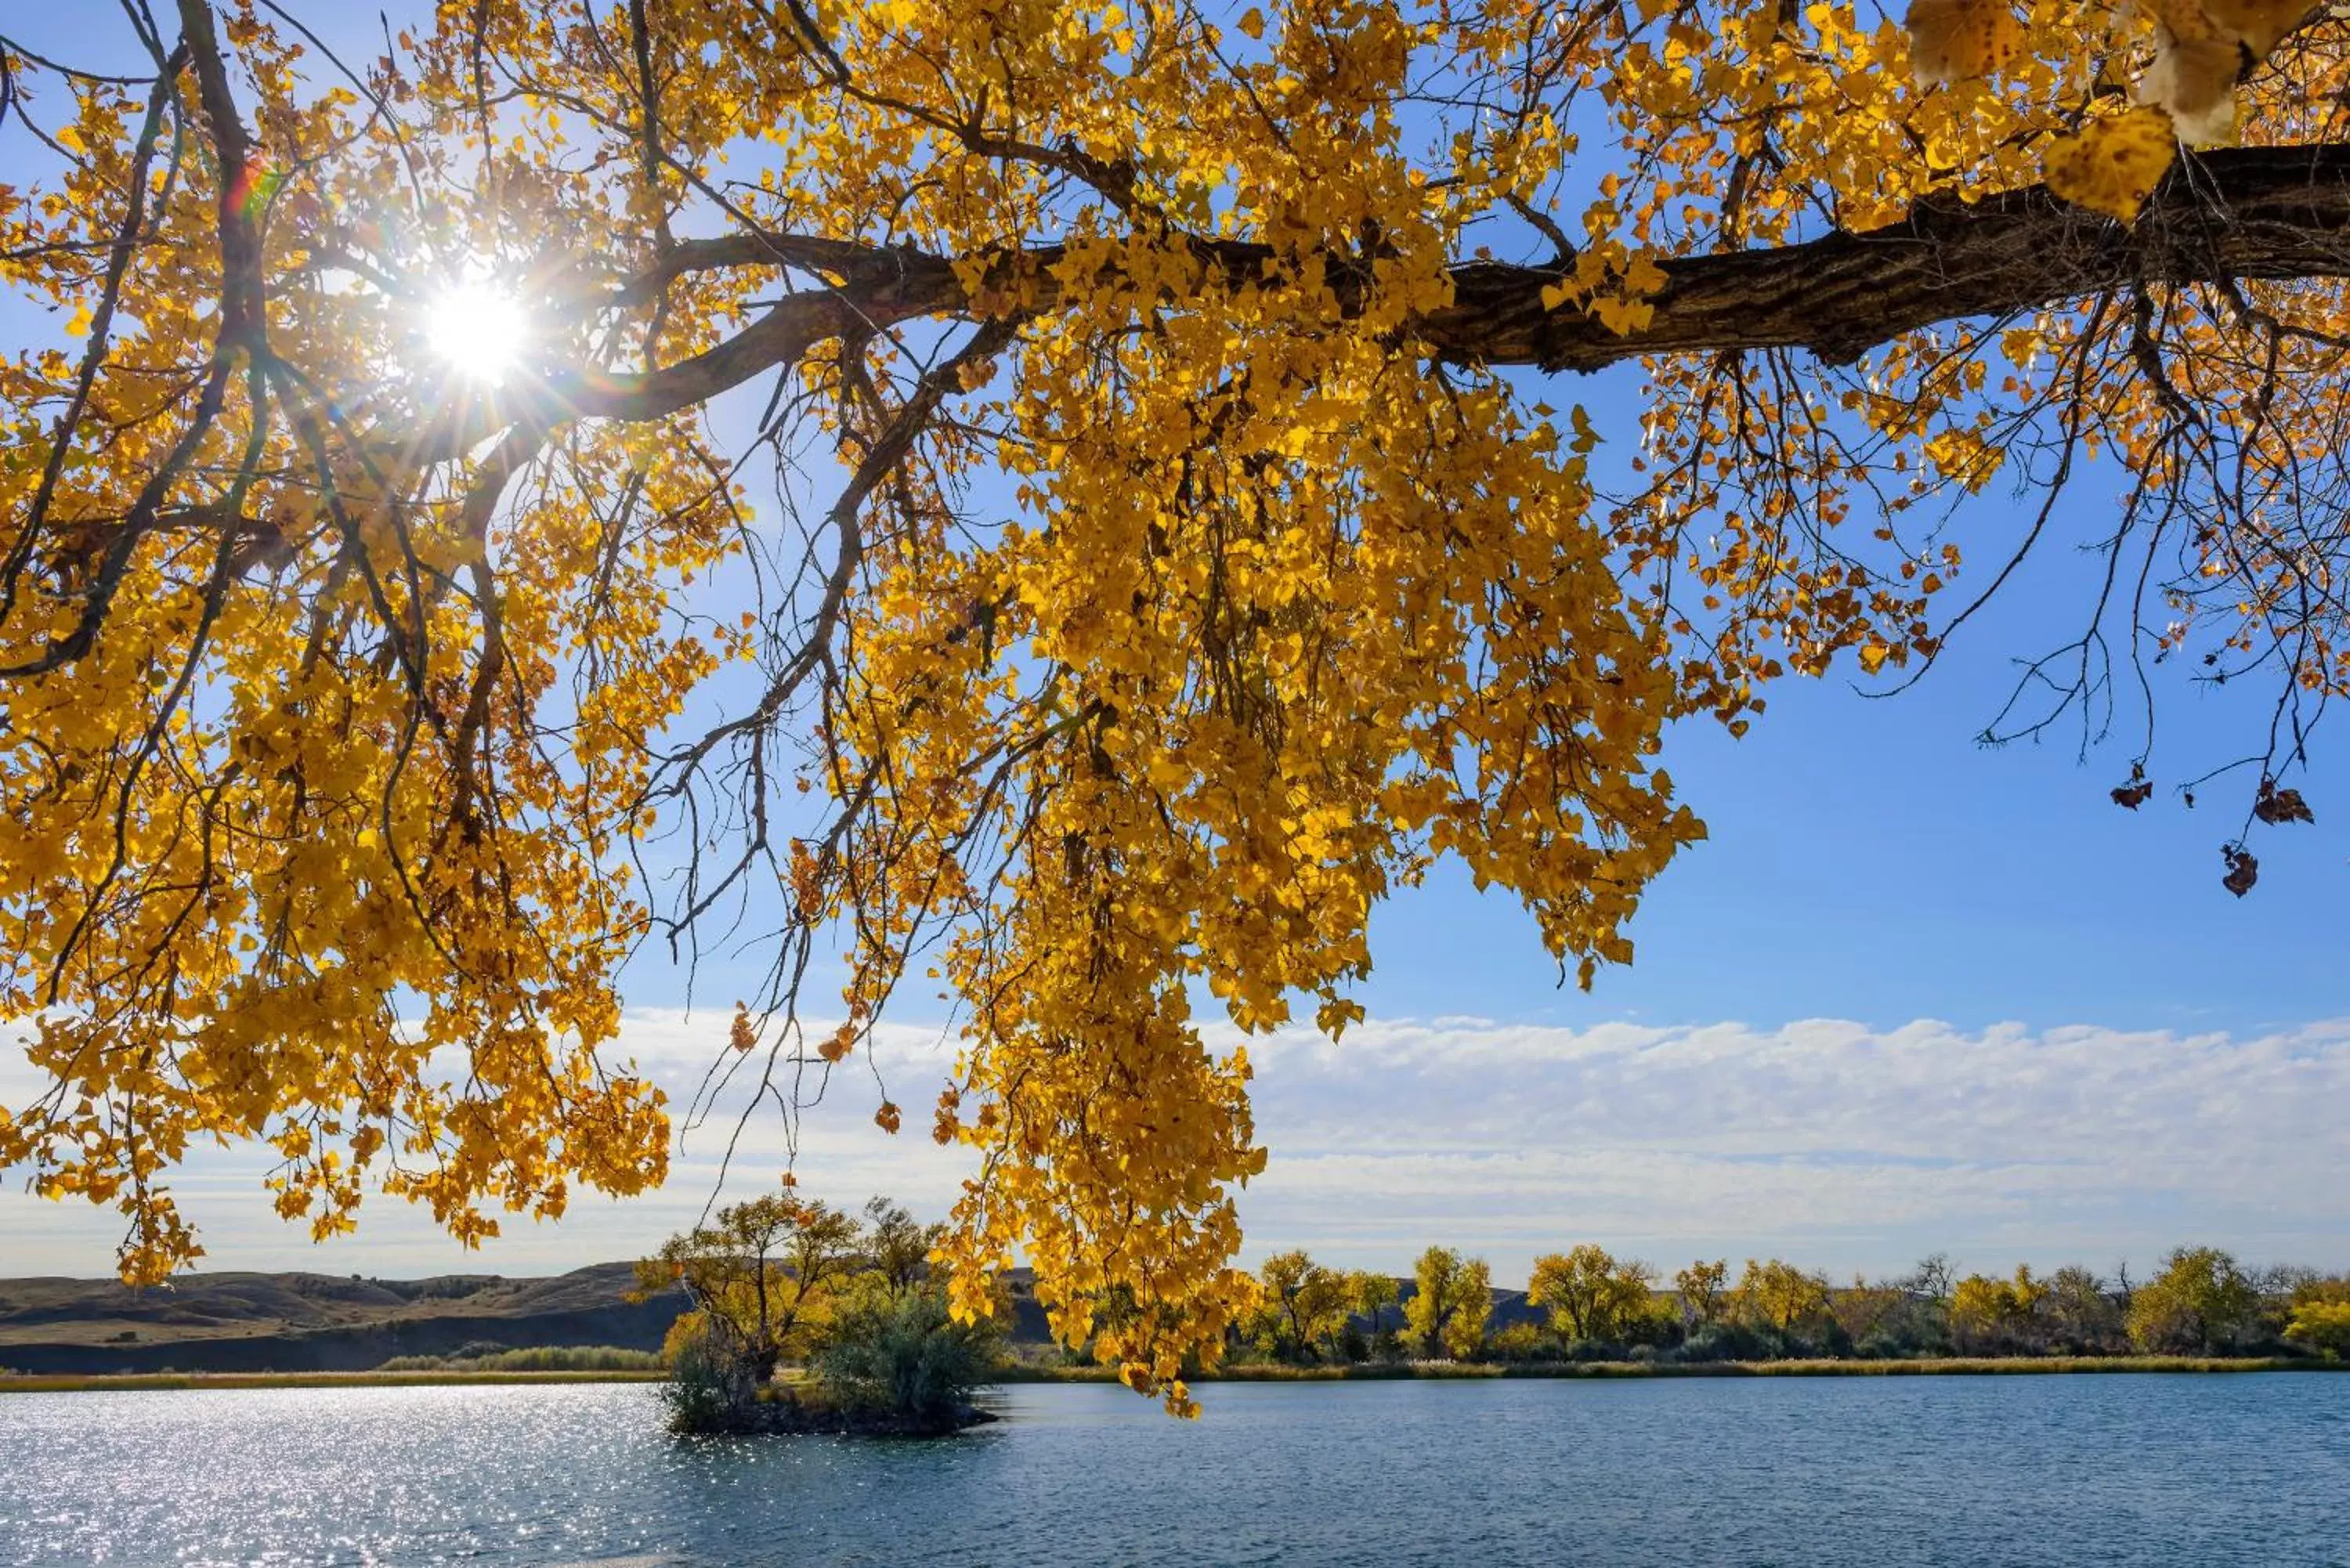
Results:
x,y
1931,1367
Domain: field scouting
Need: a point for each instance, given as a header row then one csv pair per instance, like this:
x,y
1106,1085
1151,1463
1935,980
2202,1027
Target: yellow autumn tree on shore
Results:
x,y
392,641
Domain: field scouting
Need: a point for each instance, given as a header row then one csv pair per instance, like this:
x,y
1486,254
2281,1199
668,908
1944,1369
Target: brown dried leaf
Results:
x,y
2242,870
2203,50
2193,80
2281,806
2259,25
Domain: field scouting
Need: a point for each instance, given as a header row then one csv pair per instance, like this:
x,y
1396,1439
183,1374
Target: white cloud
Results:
x,y
841,1153
1822,1140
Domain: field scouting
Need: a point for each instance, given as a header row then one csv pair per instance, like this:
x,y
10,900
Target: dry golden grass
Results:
x,y
1944,1366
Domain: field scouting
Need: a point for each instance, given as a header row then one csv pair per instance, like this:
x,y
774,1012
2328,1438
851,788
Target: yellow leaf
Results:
x,y
1954,40
1622,317
2113,165
1251,22
1586,437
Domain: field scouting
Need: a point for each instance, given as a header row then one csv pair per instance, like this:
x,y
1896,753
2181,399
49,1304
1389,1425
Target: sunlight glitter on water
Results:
x,y
2085,1472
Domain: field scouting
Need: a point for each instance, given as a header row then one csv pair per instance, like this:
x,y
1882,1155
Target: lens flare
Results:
x,y
478,329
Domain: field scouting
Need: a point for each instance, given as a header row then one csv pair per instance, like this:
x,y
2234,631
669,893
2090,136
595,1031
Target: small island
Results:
x,y
806,1319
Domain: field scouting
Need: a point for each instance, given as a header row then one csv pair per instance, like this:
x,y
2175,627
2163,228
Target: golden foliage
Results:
x,y
2188,55
1590,1294
1197,569
2113,166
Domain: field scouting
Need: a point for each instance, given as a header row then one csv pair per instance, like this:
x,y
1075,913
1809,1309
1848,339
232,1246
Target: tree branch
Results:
x,y
2267,212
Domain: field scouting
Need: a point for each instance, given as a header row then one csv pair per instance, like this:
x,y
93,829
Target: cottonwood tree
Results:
x,y
897,1246
1778,1295
1703,1287
1170,552
1303,1306
1863,1309
1451,1301
759,1274
1590,1294
1369,1294
2085,1315
2319,1318
2199,1303
1997,1315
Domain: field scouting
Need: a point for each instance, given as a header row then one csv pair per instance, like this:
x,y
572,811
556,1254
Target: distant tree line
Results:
x,y
803,1314
1586,1305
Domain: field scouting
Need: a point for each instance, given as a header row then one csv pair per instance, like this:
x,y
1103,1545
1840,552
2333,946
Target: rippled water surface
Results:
x,y
2080,1471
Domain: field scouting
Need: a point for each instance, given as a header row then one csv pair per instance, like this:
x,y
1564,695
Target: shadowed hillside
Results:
x,y
300,1322
328,1322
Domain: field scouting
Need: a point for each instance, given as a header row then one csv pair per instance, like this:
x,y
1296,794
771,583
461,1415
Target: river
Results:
x,y
2082,1471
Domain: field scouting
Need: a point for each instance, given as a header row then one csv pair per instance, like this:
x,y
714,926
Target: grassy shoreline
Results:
x,y
1926,1367
1923,1366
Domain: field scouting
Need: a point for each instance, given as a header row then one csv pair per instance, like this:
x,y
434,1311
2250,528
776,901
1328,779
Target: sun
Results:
x,y
478,329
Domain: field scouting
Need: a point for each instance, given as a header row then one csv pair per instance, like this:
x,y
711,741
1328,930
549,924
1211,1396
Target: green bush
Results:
x,y
1518,1341
1732,1342
708,1389
904,1352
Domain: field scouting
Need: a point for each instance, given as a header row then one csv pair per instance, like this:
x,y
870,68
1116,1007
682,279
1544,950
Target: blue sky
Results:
x,y
1869,859
1912,994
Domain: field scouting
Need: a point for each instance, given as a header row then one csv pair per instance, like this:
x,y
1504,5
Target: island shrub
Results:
x,y
902,1352
709,1386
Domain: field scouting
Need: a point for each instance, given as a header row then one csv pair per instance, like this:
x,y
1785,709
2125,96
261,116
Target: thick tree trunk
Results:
x,y
2248,213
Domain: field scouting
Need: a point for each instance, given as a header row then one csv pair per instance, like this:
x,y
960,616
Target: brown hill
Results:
x,y
322,1323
